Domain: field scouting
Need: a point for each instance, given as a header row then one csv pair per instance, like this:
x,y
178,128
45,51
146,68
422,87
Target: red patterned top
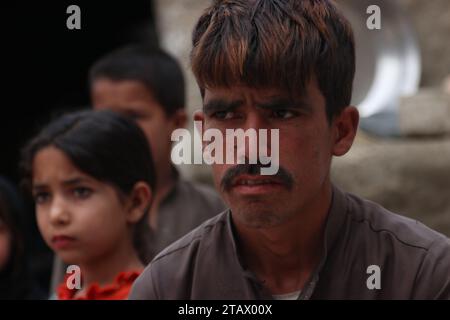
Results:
x,y
118,290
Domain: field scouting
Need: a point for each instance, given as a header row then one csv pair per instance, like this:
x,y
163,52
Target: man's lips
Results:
x,y
250,184
62,241
249,180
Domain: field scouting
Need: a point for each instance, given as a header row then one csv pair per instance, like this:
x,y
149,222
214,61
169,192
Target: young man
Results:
x,y
289,65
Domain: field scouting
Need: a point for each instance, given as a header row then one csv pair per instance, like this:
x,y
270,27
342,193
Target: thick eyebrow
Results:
x,y
286,103
74,181
69,182
38,187
221,105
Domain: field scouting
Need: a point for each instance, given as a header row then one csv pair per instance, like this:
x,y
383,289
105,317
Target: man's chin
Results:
x,y
262,191
258,216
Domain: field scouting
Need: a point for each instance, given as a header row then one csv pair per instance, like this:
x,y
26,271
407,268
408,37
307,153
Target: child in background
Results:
x,y
16,281
91,175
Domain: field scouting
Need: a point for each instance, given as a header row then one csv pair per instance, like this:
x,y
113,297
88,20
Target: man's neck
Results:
x,y
284,257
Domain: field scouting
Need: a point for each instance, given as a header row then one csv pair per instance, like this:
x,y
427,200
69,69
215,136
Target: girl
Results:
x,y
91,175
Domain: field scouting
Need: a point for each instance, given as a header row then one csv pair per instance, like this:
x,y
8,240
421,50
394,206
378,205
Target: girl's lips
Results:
x,y
62,242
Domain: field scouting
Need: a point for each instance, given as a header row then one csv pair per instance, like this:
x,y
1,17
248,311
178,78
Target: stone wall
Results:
x,y
407,176
411,175
431,20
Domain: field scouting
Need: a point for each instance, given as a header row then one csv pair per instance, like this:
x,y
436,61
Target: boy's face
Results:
x,y
133,99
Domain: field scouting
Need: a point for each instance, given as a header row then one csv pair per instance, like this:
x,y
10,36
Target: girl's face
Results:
x,y
80,218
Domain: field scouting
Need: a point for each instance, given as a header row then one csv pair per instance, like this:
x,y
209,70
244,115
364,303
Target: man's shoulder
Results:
x,y
399,257
206,232
376,221
414,259
169,274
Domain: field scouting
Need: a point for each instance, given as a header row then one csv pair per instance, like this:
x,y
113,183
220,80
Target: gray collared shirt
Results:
x,y
360,236
184,208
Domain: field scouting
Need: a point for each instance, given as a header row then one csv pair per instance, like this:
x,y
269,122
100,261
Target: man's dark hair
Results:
x,y
105,145
279,44
157,70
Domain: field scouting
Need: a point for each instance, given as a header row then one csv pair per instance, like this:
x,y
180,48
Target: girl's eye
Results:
x,y
82,192
283,114
41,197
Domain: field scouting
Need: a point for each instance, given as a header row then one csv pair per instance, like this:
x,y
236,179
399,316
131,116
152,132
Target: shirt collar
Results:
x,y
333,224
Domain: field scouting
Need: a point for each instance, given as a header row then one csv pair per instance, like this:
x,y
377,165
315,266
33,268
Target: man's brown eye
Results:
x,y
283,114
223,115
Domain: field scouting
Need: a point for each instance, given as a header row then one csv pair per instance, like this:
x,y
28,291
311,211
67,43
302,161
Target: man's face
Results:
x,y
133,99
305,151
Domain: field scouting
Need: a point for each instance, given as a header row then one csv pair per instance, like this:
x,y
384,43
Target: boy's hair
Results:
x,y
105,145
158,71
280,44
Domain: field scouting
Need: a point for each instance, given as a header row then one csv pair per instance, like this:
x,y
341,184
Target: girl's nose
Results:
x,y
59,214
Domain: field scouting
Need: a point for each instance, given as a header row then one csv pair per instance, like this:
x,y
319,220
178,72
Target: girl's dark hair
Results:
x,y
105,145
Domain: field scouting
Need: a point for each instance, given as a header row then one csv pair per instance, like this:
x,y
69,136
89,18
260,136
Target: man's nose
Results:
x,y
257,141
255,120
59,211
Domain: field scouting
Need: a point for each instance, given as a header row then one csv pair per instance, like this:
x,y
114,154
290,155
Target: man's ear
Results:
x,y
345,126
139,202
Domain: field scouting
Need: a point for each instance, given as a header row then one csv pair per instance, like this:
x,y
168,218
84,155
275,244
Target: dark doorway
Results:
x,y
45,65
44,70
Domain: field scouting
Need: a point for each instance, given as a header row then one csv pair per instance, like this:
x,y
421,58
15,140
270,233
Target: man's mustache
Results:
x,y
282,176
